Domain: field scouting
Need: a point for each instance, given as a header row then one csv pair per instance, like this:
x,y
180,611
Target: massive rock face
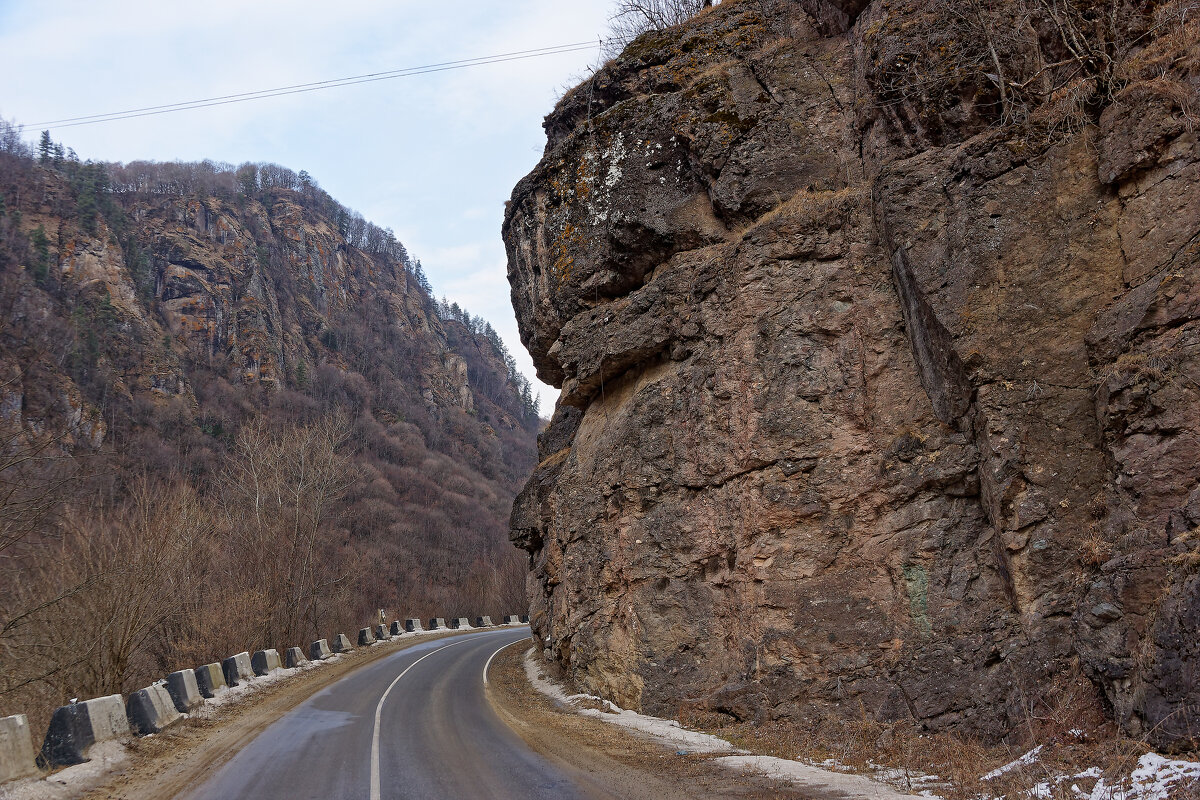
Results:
x,y
867,404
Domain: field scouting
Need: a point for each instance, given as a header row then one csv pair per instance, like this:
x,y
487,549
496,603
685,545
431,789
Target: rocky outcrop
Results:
x,y
873,397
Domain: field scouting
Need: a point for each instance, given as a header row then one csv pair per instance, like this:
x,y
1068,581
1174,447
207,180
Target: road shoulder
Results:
x,y
611,762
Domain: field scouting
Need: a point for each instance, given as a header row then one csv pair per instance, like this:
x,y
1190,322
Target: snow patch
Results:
x,y
72,781
671,733
1023,761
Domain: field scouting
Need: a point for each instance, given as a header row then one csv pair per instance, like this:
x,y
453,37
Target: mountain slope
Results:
x,y
235,342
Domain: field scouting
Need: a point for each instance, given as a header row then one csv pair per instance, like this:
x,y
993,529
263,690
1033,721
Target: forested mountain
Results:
x,y
232,416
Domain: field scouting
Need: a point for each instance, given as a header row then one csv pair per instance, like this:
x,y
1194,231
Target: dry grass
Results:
x,y
814,207
1068,722
1136,367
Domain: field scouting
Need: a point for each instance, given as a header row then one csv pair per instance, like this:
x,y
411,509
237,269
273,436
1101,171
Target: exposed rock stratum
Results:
x,y
880,373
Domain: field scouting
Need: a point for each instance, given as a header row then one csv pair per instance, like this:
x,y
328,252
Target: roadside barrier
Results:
x,y
151,710
264,662
237,669
210,679
294,657
16,749
76,727
184,690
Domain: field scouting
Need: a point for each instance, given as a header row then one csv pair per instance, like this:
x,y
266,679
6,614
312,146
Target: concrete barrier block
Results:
x,y
365,637
237,669
341,644
16,749
211,679
437,624
462,624
512,619
151,710
294,657
381,633
413,625
184,690
483,622
319,650
75,728
525,619
396,628
264,662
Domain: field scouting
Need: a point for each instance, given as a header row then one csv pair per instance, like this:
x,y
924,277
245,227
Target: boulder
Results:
x,y
365,637
412,625
341,644
151,710
210,679
16,749
184,690
437,623
397,628
237,669
76,727
264,662
294,657
319,650
483,622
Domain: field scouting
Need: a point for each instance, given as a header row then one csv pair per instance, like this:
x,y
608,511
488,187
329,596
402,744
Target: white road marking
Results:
x,y
375,792
493,655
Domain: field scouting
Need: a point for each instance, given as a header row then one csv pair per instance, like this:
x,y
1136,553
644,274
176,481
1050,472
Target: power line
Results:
x,y
301,88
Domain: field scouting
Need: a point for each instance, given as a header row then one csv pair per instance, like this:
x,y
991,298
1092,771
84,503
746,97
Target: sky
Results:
x,y
434,157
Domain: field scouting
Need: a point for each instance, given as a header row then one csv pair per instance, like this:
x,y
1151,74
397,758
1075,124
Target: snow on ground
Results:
x,y
672,734
71,781
1154,778
1023,761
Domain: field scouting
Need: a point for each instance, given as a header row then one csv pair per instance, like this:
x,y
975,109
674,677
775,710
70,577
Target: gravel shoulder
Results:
x,y
611,762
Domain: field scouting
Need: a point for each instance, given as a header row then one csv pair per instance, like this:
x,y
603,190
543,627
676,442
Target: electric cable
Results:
x,y
262,94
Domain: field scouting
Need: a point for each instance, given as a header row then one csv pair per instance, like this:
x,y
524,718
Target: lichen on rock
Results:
x,y
871,396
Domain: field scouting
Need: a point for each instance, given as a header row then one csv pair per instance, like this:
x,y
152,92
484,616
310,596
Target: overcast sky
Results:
x,y
434,157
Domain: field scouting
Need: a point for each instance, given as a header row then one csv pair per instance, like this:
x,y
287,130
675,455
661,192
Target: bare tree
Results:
x,y
632,18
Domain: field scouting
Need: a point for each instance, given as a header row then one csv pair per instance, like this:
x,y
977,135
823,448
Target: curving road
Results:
x,y
413,725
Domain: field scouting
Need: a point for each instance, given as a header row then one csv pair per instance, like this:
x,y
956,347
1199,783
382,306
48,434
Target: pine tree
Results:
x,y
45,149
422,281
41,256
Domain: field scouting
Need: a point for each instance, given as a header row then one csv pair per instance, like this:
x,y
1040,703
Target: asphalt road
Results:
x,y
414,725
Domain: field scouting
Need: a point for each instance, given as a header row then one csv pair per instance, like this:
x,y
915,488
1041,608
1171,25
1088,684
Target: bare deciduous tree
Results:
x,y
632,18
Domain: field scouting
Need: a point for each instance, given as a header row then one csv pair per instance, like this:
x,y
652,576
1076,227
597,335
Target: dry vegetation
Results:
x,y
145,530
1074,733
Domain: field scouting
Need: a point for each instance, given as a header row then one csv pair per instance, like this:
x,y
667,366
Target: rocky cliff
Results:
x,y
877,330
